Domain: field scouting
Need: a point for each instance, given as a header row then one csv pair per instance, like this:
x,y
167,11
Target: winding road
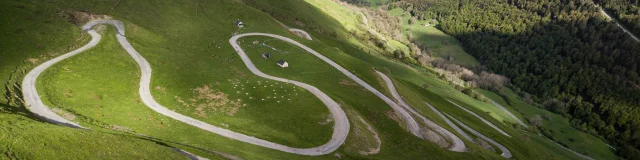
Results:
x,y
412,125
32,99
341,125
302,33
508,113
505,152
521,123
457,143
481,119
35,104
451,124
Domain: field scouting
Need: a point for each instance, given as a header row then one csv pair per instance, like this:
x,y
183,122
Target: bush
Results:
x,y
561,143
629,152
475,95
536,120
398,54
412,20
546,133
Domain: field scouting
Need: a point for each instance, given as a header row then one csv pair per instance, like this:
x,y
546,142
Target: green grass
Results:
x,y
267,119
557,125
522,145
23,138
185,56
31,36
187,46
541,148
440,43
400,46
34,33
346,17
360,139
120,106
376,3
288,124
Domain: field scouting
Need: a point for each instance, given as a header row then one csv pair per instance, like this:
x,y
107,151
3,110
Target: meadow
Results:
x,y
423,76
555,127
187,46
442,45
186,63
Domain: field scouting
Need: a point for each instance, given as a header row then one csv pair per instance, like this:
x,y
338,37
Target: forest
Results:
x,y
627,11
567,55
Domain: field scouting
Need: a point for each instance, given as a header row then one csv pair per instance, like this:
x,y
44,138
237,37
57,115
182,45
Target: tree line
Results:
x,y
564,53
627,11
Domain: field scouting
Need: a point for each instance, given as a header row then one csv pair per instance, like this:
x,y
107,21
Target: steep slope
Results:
x,y
566,54
185,42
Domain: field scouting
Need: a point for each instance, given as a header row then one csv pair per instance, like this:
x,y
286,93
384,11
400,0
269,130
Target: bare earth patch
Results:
x,y
161,89
352,84
68,93
374,149
338,155
346,82
297,33
363,138
299,23
394,116
32,60
96,96
120,128
329,119
434,137
485,145
80,17
239,73
208,99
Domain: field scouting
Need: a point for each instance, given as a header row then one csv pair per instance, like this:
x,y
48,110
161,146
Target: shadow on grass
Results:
x,y
165,143
22,111
6,108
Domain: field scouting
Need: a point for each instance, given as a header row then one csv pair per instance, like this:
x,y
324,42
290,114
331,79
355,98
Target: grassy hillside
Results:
x,y
245,104
186,43
522,144
375,3
182,57
23,138
555,127
34,33
421,76
441,44
539,54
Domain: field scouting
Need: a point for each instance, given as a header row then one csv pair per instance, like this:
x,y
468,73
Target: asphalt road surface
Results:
x,y
481,119
457,143
505,152
35,104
